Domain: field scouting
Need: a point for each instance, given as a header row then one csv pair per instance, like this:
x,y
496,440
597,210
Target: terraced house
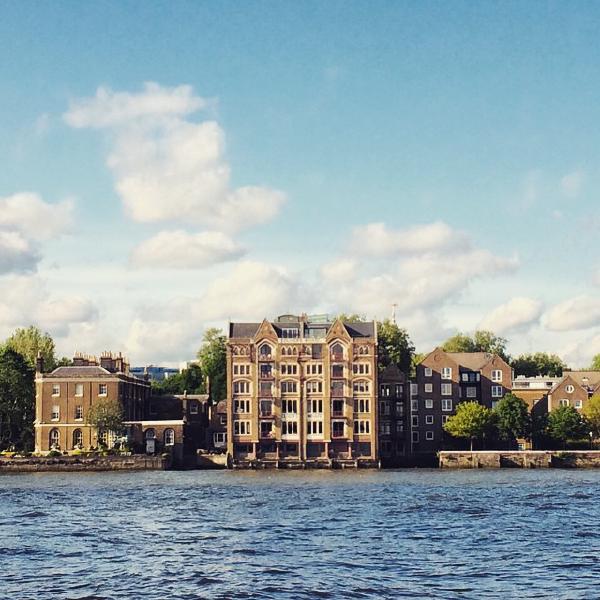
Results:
x,y
302,391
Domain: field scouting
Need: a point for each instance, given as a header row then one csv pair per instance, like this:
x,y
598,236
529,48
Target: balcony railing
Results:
x,y
337,392
265,357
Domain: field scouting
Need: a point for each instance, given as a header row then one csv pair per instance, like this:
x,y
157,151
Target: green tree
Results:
x,y
540,363
106,415
512,417
471,421
213,362
591,413
481,341
190,380
395,346
17,400
565,423
29,342
595,366
352,318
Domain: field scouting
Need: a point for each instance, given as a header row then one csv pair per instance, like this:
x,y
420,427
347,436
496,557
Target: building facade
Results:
x,y
444,379
302,391
394,443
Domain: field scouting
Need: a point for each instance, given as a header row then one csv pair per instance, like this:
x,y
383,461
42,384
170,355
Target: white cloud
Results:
x,y
515,315
167,167
580,312
16,253
183,250
572,183
340,270
375,239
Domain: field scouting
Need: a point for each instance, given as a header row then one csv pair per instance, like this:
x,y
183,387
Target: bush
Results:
x,y
54,453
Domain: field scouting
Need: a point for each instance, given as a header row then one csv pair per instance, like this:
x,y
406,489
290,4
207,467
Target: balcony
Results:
x,y
265,357
336,357
266,375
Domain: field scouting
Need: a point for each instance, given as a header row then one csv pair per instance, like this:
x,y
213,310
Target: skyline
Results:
x,y
171,167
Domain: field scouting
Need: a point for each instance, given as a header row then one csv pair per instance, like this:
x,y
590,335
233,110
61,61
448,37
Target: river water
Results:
x,y
366,534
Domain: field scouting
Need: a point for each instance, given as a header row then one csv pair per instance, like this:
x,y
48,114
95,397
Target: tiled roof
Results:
x,y
473,361
92,371
593,377
243,330
248,330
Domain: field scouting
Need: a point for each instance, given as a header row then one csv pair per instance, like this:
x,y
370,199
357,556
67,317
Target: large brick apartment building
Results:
x,y
302,391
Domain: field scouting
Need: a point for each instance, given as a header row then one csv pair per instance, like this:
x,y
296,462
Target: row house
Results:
x,y
443,379
302,391
394,443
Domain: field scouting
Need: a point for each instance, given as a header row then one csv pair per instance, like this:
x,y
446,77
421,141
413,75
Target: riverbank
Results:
x,y
525,459
35,464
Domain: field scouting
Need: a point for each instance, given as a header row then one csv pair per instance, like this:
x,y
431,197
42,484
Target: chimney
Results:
x,y
39,363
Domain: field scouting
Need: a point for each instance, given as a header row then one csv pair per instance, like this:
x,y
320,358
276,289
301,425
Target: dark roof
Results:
x,y
361,329
248,330
243,330
392,374
471,360
92,371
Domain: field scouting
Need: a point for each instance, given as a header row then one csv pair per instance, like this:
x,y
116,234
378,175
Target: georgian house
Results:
x,y
302,391
444,379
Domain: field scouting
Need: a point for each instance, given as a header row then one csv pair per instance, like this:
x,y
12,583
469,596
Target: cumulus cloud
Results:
x,y
183,250
168,167
16,253
515,315
580,312
572,183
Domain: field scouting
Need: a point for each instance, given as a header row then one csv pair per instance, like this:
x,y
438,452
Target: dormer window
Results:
x,y
290,332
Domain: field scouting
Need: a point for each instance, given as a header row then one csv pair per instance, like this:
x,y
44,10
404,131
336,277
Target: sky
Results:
x,y
171,166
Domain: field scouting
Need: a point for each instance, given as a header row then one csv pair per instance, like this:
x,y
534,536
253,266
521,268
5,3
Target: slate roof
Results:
x,y
248,330
92,371
243,330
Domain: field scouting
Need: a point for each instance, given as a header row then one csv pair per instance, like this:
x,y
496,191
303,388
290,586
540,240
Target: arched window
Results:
x,y
337,351
284,351
265,351
54,438
150,434
77,438
169,437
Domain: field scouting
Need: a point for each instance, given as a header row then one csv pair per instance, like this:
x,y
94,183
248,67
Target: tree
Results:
x,y
213,362
565,423
540,363
471,421
512,417
352,318
106,415
591,412
481,341
595,366
190,380
395,346
17,400
31,341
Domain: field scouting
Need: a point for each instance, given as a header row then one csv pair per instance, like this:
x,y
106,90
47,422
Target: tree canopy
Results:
x,y
480,341
106,415
512,417
591,412
471,421
190,380
565,423
395,346
213,362
29,342
540,363
595,366
352,318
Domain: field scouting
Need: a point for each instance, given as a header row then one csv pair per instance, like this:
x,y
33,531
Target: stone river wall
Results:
x,y
83,463
527,459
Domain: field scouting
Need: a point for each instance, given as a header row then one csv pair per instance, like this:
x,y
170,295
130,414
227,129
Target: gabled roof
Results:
x,y
392,374
91,371
474,361
585,378
251,330
243,330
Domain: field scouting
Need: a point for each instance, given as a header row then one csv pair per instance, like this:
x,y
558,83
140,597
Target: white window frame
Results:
x,y
497,391
447,404
55,390
79,390
564,402
55,414
497,376
471,392
578,403
569,389
446,389
428,388
428,403
428,371
79,411
428,419
429,435
447,373
103,386
242,427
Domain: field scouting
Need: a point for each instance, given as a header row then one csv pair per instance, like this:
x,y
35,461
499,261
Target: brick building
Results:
x,y
302,391
394,442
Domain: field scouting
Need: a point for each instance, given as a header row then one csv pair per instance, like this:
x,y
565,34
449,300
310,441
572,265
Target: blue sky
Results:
x,y
468,131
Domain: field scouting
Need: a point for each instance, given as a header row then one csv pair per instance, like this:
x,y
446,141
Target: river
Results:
x,y
367,534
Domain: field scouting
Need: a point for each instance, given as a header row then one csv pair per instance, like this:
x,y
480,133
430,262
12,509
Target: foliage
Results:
x,y
106,415
17,400
63,361
595,366
416,359
395,346
29,342
352,318
540,363
565,423
512,417
190,380
471,421
591,412
213,362
481,341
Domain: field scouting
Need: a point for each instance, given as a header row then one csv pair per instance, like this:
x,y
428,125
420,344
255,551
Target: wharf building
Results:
x,y
302,391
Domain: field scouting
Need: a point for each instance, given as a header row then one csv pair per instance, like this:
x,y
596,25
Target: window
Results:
x,y
385,428
79,389
494,404
428,372
414,405
102,389
315,406
241,406
241,427
149,434
265,352
56,390
219,439
314,369
384,407
338,429
169,437
266,408
241,369
337,408
415,437
361,387
337,371
497,375
266,370
496,391
266,428
399,390
362,427
471,392
429,435
564,402
337,351
289,333
445,419
241,387
399,427
578,404
289,428
223,419
429,403
385,389
415,420
79,412
569,389
289,387
314,387
314,427
428,419
446,389
361,368
54,438
399,408
289,406
447,373
414,389
362,405
77,438
265,388
194,407
428,388
55,416
446,404
289,369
